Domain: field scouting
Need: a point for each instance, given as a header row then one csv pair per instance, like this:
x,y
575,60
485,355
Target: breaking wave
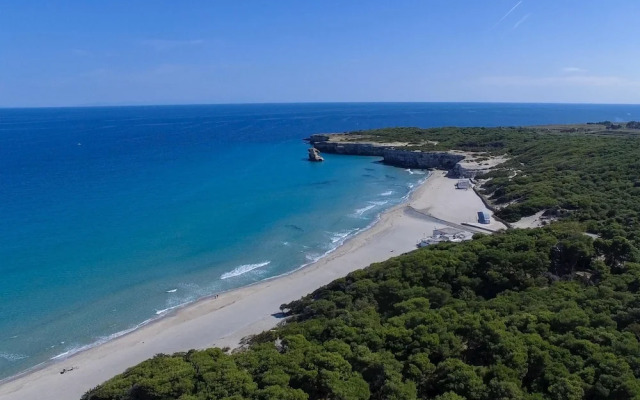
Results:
x,y
363,210
243,269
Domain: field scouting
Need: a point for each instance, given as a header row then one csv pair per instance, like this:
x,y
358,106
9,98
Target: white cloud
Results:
x,y
163,44
573,80
573,70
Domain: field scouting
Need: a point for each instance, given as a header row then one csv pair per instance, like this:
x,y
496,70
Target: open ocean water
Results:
x,y
110,217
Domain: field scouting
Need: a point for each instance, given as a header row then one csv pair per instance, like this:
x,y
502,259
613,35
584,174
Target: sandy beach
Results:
x,y
225,320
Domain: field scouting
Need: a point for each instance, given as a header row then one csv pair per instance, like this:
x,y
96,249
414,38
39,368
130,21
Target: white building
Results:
x,y
463,184
447,231
445,234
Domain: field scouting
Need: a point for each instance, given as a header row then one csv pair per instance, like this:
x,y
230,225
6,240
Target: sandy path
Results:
x,y
236,314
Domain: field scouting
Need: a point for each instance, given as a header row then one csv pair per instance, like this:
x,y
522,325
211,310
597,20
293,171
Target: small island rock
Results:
x,y
314,155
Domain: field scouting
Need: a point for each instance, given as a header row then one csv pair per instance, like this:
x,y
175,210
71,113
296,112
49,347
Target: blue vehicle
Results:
x,y
484,217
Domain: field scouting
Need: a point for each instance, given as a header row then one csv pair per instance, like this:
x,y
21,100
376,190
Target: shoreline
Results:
x,y
62,357
224,320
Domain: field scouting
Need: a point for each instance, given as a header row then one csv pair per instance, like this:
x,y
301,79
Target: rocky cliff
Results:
x,y
348,148
419,159
328,143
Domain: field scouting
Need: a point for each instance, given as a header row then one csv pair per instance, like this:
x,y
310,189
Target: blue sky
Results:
x,y
169,52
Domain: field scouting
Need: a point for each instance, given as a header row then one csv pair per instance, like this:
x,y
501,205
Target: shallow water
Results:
x,y
110,217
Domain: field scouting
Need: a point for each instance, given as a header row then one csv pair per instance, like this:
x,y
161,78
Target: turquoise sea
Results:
x,y
110,217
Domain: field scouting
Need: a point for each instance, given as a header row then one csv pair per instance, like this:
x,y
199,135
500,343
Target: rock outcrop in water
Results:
x,y
314,155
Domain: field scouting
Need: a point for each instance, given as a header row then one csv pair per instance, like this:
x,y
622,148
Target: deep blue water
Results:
x,y
108,216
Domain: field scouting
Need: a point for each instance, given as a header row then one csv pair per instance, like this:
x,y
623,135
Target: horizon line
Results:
x,y
132,105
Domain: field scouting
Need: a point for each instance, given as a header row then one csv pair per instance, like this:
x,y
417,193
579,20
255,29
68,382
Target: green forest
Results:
x,y
546,313
585,173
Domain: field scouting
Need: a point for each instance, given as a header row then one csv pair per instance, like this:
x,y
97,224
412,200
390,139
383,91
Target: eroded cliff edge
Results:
x,y
461,164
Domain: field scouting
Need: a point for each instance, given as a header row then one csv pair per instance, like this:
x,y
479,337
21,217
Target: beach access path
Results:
x,y
225,320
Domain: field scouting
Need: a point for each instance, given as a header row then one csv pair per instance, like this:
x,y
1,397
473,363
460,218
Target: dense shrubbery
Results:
x,y
548,313
594,179
519,315
633,125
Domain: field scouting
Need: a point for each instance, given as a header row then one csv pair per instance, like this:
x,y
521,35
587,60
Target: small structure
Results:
x,y
463,184
484,217
314,155
447,231
429,241
446,234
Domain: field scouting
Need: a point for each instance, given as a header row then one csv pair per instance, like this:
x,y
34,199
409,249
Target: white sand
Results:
x,y
454,205
236,314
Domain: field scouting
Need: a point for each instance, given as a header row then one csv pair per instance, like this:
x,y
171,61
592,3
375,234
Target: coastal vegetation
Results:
x,y
546,313
581,173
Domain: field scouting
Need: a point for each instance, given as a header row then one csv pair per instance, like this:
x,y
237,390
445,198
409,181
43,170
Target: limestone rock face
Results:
x,y
462,171
314,155
353,149
462,165
418,159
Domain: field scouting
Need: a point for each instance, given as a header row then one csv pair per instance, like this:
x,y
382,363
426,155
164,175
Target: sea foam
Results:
x,y
339,237
243,269
360,211
372,204
101,340
313,257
